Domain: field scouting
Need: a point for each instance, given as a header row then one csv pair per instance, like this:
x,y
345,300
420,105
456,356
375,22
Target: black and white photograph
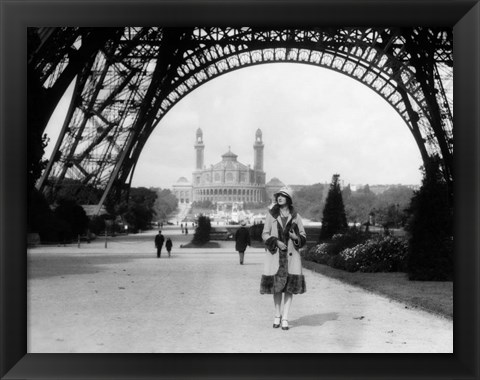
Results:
x,y
243,189
330,147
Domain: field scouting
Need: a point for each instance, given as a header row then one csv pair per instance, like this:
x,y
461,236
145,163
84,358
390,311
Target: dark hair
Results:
x,y
289,200
276,206
159,231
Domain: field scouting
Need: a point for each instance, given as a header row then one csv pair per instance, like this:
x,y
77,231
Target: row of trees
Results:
x,y
66,219
388,207
428,221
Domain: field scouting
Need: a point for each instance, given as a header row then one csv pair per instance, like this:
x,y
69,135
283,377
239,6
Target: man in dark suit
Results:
x,y
242,240
159,239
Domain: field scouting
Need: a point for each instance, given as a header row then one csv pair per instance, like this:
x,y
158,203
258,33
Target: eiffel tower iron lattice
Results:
x,y
127,79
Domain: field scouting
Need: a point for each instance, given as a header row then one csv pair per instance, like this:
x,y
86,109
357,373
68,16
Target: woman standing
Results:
x,y
284,235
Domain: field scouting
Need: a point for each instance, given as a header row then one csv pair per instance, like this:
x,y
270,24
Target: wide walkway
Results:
x,y
122,299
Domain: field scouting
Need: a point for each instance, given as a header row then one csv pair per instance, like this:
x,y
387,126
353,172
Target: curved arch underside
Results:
x,y
127,79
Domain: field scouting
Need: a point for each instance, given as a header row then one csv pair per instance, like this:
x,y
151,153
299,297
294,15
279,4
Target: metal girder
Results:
x,y
138,74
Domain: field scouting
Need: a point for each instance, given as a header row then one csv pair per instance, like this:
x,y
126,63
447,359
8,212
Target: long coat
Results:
x,y
159,239
242,239
274,279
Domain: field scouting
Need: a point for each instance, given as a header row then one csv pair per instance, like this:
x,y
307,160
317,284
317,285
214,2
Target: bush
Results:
x,y
97,224
202,232
54,230
337,262
327,252
72,215
351,238
386,254
318,254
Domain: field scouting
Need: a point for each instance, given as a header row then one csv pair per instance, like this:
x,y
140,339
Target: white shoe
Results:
x,y
276,322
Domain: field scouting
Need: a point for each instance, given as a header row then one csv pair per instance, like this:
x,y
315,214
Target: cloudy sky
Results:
x,y
315,123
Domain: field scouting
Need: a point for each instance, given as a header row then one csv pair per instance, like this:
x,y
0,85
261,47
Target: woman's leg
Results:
x,y
287,304
286,308
277,300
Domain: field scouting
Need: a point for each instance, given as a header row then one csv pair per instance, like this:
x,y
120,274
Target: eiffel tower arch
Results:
x,y
127,79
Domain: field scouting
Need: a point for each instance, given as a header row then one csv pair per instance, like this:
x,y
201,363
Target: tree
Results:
x,y
430,256
165,204
83,194
138,211
390,205
360,204
138,216
334,219
310,200
74,217
140,208
202,232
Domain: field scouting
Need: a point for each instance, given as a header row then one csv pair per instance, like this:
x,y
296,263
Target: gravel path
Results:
x,y
122,299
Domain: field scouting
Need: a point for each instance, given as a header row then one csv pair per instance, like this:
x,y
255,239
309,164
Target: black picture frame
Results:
x,y
16,16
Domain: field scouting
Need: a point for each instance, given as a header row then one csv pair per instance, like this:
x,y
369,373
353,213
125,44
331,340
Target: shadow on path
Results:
x,y
44,267
313,320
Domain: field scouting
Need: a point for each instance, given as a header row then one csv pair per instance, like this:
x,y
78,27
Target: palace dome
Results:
x,y
183,180
275,182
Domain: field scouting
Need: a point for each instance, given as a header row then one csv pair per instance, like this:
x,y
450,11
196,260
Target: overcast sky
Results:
x,y
315,123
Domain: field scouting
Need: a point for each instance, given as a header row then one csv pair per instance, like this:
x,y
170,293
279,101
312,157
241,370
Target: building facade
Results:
x,y
183,190
228,181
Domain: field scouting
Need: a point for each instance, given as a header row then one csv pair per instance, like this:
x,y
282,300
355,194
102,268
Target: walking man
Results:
x,y
159,239
242,239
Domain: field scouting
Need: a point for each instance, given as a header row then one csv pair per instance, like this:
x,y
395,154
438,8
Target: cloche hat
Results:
x,y
285,191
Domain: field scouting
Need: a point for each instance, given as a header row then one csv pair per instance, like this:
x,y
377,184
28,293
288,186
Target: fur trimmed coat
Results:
x,y
275,278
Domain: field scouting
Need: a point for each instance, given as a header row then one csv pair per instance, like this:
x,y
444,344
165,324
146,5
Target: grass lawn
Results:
x,y
432,296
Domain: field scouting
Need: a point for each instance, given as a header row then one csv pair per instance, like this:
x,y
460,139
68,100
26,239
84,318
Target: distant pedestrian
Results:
x,y
181,225
168,245
284,235
186,230
159,239
242,240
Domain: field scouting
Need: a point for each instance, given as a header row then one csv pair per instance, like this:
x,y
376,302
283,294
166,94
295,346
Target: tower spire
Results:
x,y
258,151
199,147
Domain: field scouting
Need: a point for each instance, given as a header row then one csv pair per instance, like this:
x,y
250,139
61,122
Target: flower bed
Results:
x,y
380,254
387,254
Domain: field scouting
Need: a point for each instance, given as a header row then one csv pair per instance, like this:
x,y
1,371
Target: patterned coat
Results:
x,y
278,277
